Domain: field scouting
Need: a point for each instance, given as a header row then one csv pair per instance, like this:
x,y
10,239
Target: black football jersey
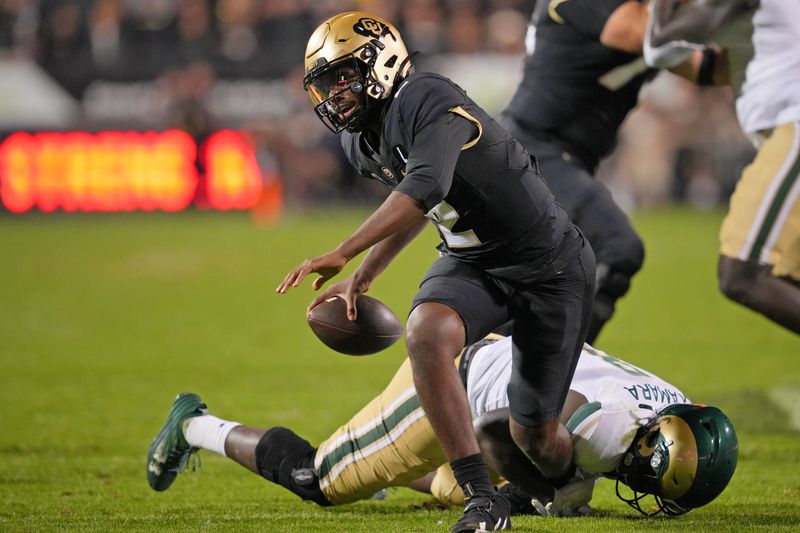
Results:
x,y
575,91
493,209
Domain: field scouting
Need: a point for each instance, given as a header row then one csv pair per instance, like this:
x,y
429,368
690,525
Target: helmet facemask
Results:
x,y
339,92
641,469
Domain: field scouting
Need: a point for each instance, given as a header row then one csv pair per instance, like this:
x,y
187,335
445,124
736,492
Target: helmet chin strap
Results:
x,y
399,76
356,87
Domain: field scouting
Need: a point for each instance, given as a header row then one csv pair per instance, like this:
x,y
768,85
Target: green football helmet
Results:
x,y
684,457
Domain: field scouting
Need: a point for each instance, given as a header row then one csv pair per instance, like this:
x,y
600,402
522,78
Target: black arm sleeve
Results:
x,y
432,159
589,16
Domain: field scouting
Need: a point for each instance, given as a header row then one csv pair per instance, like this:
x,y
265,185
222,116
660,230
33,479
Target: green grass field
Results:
x,y
103,319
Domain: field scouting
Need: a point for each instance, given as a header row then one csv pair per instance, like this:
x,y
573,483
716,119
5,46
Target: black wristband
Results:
x,y
705,74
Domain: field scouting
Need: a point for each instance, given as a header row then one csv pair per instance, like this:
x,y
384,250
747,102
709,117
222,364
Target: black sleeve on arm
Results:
x,y
589,16
432,159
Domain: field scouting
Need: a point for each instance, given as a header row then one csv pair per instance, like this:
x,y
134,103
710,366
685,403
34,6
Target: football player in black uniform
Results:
x,y
581,77
508,251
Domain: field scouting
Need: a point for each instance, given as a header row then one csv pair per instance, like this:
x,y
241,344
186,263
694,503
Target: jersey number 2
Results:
x,y
445,216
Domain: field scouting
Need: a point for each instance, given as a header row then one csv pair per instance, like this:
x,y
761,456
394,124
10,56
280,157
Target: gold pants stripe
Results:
x,y
763,222
370,426
388,443
362,451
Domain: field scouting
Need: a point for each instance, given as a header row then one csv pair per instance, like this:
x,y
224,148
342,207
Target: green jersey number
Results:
x,y
619,363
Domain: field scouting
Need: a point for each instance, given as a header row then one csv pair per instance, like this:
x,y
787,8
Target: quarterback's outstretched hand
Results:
x,y
326,265
348,289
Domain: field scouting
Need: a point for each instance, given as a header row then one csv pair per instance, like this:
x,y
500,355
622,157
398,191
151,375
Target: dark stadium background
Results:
x,y
207,65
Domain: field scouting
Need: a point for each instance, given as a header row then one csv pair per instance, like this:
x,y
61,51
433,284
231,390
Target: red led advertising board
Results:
x,y
126,171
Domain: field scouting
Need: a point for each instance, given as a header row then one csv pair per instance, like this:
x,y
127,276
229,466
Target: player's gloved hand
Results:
x,y
549,510
570,500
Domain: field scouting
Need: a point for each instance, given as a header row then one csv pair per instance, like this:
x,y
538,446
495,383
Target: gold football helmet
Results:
x,y
353,60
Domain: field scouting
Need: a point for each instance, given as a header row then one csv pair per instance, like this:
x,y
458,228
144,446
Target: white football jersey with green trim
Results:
x,y
622,397
770,95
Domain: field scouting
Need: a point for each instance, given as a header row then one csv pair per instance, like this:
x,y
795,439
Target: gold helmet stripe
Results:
x,y
681,448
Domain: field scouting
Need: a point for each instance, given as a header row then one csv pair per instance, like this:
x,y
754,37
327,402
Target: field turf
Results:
x,y
103,319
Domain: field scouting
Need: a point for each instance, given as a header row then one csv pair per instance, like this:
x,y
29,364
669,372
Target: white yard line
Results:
x,y
787,397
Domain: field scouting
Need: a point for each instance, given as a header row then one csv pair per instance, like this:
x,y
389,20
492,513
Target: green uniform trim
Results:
x,y
774,210
582,413
373,435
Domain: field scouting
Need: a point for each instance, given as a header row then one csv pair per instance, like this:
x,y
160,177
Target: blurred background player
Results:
x,y
508,251
759,262
626,424
582,76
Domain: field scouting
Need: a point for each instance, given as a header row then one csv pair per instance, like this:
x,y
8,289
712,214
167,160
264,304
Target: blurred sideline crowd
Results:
x,y
202,65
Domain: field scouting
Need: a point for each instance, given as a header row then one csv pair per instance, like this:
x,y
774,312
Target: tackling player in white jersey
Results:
x,y
626,424
759,263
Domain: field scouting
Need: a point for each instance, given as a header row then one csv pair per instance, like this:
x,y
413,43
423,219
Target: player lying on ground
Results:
x,y
626,424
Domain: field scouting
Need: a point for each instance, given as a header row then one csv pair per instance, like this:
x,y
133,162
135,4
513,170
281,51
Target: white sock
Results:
x,y
208,432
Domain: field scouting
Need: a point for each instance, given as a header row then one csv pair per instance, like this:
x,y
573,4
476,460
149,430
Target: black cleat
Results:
x,y
519,500
484,513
